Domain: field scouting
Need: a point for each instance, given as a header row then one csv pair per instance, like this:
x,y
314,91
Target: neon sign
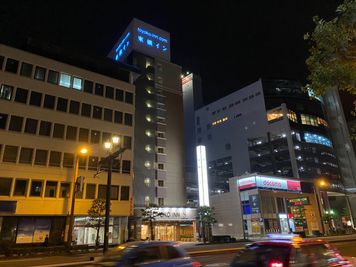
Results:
x,y
122,47
152,40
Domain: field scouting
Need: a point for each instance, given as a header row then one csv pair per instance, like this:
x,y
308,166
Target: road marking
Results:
x,y
36,259
63,264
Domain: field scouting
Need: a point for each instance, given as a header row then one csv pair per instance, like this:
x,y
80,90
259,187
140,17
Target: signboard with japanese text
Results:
x,y
261,181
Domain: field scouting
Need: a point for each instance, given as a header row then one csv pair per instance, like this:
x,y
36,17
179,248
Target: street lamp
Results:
x,y
316,185
83,151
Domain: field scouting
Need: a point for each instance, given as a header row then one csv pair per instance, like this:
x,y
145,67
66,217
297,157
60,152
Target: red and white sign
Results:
x,y
269,182
249,182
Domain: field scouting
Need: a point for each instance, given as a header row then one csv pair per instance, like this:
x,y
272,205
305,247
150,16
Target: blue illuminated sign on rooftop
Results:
x,y
122,47
152,40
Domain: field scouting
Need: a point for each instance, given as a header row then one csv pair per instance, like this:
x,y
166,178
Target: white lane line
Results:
x,y
27,259
64,264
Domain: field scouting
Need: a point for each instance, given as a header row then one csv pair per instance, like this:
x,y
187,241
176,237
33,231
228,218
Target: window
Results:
x,y
244,99
10,154
26,155
125,193
118,117
119,95
26,69
41,157
90,192
40,73
129,97
11,65
160,135
275,114
55,159
116,165
64,190
126,166
16,123
102,191
77,83
127,142
58,131
45,128
99,89
88,86
49,101
95,137
86,110
160,183
21,95
97,112
292,116
62,104
53,77
228,146
109,92
65,80
74,107
160,201
160,150
83,135
128,119
108,115
31,126
51,189
114,192
71,133
309,119
160,166
106,137
93,163
20,187
1,62
3,120
68,160
5,186
6,91
35,99
36,188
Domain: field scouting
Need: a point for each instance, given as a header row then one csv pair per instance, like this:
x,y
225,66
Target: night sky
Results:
x,y
229,43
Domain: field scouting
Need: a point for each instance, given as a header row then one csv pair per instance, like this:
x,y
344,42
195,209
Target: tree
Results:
x,y
96,214
150,215
206,217
332,56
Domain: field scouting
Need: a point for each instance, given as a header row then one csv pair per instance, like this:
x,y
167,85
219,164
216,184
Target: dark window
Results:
x,y
93,163
251,96
71,133
102,191
228,146
128,119
90,192
49,101
35,99
45,128
16,123
108,114
10,154
26,69
86,110
99,89
3,120
84,135
58,131
173,253
127,142
6,91
62,104
126,166
82,162
97,112
64,190
53,77
88,86
21,95
114,192
106,137
20,187
258,93
41,157
95,137
51,189
11,65
160,183
118,117
125,193
74,107
31,126
109,92
36,188
244,99
119,95
160,201
5,186
147,254
129,97
55,159
1,61
40,73
68,159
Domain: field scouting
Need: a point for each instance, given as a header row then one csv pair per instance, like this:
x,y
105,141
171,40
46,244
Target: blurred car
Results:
x,y
288,251
147,254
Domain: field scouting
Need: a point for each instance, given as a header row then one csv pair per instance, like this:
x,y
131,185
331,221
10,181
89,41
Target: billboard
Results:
x,y
267,182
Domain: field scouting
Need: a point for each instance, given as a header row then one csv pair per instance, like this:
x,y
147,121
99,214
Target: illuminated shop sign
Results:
x,y
300,201
177,214
269,183
152,40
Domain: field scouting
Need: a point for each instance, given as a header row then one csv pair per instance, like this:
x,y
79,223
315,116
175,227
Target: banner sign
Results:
x,y
260,181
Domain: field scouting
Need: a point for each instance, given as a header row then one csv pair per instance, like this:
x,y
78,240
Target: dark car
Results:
x,y
288,251
147,254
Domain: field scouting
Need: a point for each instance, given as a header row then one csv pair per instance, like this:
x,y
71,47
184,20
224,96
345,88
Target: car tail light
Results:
x,y
276,264
196,264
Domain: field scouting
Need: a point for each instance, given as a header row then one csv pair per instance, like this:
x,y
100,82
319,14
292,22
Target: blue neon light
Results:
x,y
149,42
317,139
123,45
152,40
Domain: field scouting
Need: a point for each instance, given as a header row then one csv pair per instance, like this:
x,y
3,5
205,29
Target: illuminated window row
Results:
x,y
275,114
219,121
292,116
317,139
312,120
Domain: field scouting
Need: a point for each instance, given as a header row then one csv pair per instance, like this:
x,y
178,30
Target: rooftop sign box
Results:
x,y
267,182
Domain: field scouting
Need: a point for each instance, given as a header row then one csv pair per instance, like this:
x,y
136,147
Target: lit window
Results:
x,y
292,116
309,119
77,83
317,139
275,114
322,122
64,80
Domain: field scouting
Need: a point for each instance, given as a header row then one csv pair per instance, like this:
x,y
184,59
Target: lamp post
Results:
x,y
83,151
316,185
109,160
